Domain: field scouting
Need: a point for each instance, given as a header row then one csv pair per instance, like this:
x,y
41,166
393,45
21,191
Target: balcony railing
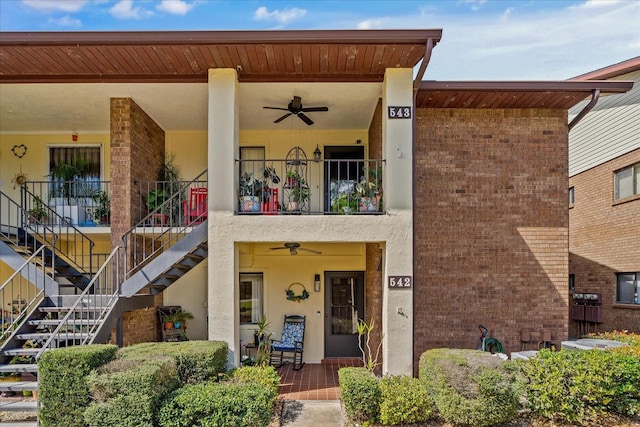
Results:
x,y
79,203
285,187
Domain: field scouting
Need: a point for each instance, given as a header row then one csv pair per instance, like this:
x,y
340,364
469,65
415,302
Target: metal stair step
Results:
x,y
56,322
61,336
20,406
21,351
19,367
18,385
65,309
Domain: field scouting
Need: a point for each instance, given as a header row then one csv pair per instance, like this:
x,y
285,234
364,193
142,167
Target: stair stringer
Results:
x,y
34,275
166,260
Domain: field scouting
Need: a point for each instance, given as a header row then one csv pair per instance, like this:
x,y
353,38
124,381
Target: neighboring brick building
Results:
x,y
604,214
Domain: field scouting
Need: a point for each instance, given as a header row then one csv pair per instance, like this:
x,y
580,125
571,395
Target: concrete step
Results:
x,y
19,406
18,385
20,424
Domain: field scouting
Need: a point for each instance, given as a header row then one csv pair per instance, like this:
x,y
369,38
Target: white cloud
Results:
x,y
282,16
370,24
176,7
66,21
475,4
55,5
592,4
124,10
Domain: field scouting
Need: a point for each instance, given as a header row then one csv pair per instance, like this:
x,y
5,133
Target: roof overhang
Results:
x,y
615,70
185,56
513,94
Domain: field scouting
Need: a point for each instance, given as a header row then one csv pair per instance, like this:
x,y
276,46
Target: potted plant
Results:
x,y
38,213
102,212
170,178
65,179
155,199
180,317
368,194
300,192
262,339
249,190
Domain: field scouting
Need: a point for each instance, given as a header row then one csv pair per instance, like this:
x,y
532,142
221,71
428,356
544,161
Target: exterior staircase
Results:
x,y
63,304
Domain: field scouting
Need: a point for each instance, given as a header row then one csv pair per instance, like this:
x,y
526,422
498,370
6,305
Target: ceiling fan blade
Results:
x,y
282,118
305,119
313,251
276,108
307,109
278,248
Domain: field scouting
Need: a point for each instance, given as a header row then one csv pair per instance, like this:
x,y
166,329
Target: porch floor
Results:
x,y
314,381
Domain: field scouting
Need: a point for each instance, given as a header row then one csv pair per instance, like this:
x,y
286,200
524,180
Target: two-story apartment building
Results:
x,y
425,207
604,210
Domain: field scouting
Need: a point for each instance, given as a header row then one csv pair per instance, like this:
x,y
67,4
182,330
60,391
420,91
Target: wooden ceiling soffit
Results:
x,y
513,94
271,56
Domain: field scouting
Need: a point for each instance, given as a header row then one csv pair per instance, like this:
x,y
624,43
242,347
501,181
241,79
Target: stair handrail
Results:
x,y
20,212
105,280
64,229
159,242
17,319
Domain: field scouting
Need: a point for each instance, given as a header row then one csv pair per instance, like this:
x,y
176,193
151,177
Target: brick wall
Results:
x,y
137,153
603,240
491,238
375,133
373,294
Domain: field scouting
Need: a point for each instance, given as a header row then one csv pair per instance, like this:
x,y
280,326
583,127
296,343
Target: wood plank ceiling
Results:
x,y
269,56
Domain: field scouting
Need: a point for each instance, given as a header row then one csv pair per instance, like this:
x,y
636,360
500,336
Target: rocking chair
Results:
x,y
292,342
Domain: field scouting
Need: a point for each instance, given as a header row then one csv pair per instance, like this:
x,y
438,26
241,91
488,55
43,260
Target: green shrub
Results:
x,y
259,376
360,394
129,391
579,386
129,410
469,387
64,394
404,400
222,404
196,360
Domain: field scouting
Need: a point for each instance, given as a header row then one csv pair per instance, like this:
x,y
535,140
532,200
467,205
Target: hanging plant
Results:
x,y
292,296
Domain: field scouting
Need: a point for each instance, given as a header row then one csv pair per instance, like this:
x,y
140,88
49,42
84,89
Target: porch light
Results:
x,y
317,154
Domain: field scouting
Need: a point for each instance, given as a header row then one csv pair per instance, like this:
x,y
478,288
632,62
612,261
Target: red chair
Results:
x,y
195,210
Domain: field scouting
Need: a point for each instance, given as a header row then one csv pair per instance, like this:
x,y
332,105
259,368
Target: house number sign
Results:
x,y
399,112
400,282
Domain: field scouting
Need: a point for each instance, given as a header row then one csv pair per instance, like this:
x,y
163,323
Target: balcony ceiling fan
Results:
x,y
295,107
294,247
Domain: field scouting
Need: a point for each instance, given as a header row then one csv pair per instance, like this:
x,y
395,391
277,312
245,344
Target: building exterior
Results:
x,y
604,211
425,207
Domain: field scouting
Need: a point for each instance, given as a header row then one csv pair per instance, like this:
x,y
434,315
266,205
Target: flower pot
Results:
x,y
160,219
249,204
177,325
168,325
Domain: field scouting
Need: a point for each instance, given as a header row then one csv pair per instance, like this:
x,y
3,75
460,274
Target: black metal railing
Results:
x,y
79,203
182,205
283,187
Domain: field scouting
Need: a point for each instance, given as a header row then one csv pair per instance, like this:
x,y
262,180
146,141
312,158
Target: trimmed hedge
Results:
x,y
404,400
62,373
128,392
579,386
360,394
469,387
196,360
237,402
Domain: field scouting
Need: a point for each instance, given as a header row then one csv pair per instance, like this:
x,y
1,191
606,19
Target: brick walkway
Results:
x,y
313,381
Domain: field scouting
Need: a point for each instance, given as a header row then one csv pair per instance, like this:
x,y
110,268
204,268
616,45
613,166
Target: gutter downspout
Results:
x,y
423,66
416,86
595,95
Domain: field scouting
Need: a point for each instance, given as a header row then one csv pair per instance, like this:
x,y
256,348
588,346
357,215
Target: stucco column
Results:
x,y
397,147
222,148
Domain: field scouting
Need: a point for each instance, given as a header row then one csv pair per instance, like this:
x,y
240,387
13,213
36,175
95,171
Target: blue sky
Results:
x,y
482,39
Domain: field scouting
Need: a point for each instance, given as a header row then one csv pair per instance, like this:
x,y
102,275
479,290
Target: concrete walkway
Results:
x,y
311,413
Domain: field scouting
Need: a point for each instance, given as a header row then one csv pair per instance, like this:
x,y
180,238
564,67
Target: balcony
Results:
x,y
307,187
78,203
